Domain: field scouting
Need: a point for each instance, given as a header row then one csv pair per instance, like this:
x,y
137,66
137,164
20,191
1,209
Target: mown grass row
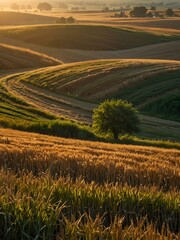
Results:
x,y
11,106
158,95
17,114
152,86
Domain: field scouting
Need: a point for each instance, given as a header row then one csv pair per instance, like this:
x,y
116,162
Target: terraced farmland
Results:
x,y
153,86
86,185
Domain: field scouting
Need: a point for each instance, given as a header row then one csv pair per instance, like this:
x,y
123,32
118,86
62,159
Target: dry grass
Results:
x,y
18,58
98,162
19,18
167,50
66,189
167,25
86,37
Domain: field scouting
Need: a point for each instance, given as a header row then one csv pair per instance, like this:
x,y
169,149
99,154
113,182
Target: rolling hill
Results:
x,y
12,58
86,37
152,86
48,89
18,18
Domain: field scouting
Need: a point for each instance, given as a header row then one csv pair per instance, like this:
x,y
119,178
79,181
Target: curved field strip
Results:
x,y
59,105
18,58
80,110
152,86
117,189
85,37
106,76
12,107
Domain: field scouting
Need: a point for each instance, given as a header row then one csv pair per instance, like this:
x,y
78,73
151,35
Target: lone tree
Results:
x,y
138,12
15,6
115,117
44,6
169,12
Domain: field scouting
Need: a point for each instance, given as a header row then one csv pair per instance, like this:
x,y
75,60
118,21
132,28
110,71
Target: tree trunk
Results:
x,y
116,134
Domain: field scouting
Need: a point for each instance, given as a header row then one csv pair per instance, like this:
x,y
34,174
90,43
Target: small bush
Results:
x,y
63,20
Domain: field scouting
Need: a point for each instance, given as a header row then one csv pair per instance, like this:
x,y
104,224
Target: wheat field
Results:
x,y
55,188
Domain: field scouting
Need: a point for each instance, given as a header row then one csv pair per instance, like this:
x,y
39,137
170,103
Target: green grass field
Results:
x,y
86,37
152,86
16,113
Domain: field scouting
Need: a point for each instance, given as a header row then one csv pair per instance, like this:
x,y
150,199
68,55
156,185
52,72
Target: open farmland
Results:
x,y
112,189
153,86
158,23
15,108
16,113
12,58
19,18
166,50
27,109
86,37
52,76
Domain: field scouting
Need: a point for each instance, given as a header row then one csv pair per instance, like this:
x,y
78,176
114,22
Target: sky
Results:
x,y
35,2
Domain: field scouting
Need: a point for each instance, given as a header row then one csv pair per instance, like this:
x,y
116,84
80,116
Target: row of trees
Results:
x,y
136,12
142,12
64,20
41,6
17,7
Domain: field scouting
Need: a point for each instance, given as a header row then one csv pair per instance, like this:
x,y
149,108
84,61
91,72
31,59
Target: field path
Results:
x,y
168,51
59,105
75,109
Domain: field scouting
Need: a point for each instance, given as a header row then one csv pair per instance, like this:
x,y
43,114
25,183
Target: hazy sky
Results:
x,y
35,2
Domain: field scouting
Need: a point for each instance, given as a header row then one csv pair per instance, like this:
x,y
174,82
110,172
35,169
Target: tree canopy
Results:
x,y
169,12
115,117
44,6
138,12
15,6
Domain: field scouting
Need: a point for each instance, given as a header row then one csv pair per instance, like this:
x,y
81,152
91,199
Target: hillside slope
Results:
x,y
86,37
153,86
18,18
62,105
18,58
